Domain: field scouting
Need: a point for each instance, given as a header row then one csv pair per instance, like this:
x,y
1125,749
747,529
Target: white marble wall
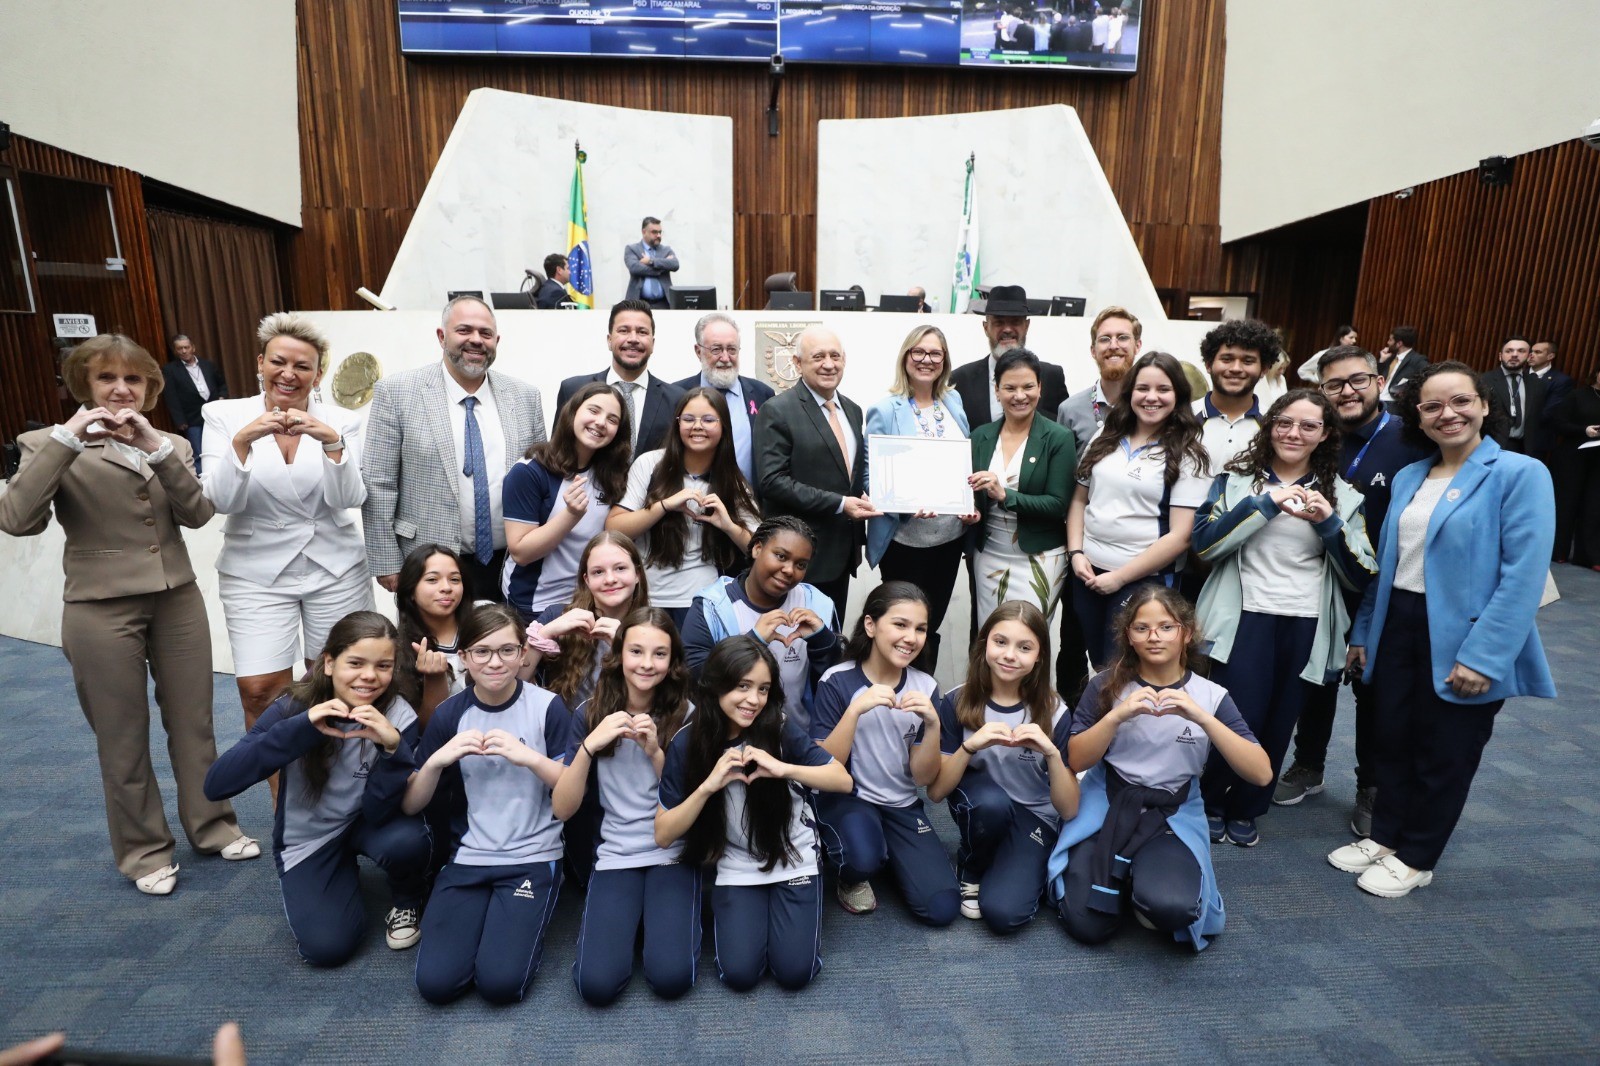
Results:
x,y
498,199
889,194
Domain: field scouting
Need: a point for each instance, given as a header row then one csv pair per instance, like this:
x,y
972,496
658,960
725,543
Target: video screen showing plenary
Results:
x,y
1077,35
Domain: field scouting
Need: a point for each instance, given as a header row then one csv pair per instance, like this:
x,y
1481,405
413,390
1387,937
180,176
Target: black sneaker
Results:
x,y
1361,817
404,928
1296,784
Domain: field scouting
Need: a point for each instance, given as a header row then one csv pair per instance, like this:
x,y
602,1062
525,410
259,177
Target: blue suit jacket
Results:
x,y
1486,557
892,415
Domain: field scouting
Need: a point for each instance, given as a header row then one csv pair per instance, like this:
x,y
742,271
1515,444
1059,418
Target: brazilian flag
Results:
x,y
581,284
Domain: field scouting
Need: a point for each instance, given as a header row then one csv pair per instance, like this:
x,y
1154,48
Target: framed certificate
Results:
x,y
911,474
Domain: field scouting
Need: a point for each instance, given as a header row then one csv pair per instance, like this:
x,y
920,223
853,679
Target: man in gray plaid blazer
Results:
x,y
424,430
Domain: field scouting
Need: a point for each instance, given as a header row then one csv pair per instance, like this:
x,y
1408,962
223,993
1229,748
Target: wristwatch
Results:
x,y
335,445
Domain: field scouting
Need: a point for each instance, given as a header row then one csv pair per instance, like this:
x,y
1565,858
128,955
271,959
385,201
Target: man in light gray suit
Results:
x,y
439,441
650,265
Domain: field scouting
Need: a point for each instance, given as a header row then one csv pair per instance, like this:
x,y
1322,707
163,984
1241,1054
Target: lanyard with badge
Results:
x,y
1350,474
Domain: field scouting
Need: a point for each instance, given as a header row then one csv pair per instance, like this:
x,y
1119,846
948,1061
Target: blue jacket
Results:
x,y
893,416
1486,558
1188,825
711,620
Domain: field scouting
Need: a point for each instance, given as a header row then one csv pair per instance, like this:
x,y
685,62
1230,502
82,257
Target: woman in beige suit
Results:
x,y
121,490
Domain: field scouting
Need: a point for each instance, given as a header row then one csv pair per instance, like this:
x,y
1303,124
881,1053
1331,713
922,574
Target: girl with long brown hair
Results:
x,y
1003,771
1143,731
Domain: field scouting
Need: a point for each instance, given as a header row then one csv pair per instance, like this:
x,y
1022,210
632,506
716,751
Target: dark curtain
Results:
x,y
216,281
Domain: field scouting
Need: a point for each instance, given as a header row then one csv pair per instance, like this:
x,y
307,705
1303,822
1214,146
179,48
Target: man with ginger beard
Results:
x,y
1115,338
439,440
716,345
1005,324
631,336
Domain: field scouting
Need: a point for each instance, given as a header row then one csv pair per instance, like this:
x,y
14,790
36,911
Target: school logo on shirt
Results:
x,y
923,827
1037,836
1027,755
1186,737
525,891
806,880
791,654
364,769
911,735
1378,479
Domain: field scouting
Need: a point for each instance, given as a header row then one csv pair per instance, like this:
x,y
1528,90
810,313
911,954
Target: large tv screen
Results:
x,y
1076,35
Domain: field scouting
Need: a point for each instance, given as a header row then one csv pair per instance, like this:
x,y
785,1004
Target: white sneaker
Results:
x,y
1391,878
160,883
1358,857
404,928
969,901
243,848
857,899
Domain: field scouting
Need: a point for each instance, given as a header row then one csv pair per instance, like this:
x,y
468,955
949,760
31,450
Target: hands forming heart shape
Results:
x,y
789,626
118,426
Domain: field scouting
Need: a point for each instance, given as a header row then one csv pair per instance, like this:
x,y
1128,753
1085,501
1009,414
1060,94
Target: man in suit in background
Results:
x,y
650,265
192,382
553,293
1521,395
811,462
631,336
922,299
1542,364
439,442
1401,362
716,345
1005,323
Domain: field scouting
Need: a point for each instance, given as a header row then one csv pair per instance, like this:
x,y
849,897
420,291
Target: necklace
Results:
x,y
937,429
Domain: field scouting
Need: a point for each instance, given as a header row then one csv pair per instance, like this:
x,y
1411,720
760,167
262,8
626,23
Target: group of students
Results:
x,y
455,753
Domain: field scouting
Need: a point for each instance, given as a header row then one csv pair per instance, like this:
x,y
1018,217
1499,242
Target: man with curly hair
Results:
x,y
1235,355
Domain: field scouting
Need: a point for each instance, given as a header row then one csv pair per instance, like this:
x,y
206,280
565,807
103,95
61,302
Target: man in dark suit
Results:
x,y
553,293
1400,362
192,382
1005,323
716,345
1541,362
811,462
1521,395
631,336
650,265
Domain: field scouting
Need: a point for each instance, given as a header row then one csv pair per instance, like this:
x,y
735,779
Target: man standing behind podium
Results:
x,y
1005,323
811,462
439,442
716,345
650,265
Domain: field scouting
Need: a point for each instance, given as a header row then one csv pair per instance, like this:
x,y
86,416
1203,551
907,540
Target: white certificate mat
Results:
x,y
911,474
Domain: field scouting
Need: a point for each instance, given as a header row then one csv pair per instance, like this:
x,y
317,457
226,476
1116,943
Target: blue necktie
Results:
x,y
482,528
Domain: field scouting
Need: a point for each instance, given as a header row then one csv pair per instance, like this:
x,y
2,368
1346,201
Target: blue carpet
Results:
x,y
1498,960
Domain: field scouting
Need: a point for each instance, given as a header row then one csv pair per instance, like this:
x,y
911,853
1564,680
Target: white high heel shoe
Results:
x,y
160,883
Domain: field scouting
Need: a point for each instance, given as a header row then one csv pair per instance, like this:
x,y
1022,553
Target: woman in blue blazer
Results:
x,y
922,549
1446,633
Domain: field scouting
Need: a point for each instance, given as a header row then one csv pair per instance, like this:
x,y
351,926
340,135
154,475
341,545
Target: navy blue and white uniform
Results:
x,y
317,836
635,883
532,495
764,919
1003,812
486,919
883,821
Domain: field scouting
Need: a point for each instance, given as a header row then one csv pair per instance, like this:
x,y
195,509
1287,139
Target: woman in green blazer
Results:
x,y
1024,467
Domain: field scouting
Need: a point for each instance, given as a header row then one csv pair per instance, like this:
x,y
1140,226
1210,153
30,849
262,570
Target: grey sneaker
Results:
x,y
1296,784
857,899
1361,817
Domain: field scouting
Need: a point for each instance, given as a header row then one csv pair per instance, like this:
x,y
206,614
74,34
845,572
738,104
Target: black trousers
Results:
x,y
1316,728
1164,884
1427,748
483,580
933,570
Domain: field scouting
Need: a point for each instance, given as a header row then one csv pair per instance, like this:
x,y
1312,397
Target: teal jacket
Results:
x,y
1235,510
1045,487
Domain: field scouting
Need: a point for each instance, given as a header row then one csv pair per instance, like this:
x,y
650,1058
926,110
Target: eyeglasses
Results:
x,y
1120,338
719,349
1359,382
1433,408
1310,427
480,656
1140,631
925,355
690,421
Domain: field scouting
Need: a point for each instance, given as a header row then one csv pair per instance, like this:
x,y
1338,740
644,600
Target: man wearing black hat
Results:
x,y
1005,323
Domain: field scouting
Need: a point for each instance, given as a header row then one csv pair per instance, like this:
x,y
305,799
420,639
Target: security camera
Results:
x,y
1591,136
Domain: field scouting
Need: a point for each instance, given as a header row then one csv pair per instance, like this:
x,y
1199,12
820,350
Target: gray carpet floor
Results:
x,y
1498,960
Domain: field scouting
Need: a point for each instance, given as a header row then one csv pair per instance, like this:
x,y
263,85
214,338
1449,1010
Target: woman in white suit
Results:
x,y
286,470
922,549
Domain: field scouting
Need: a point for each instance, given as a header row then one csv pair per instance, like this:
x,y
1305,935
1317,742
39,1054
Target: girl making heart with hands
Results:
x,y
733,790
772,602
1003,771
617,755
566,641
1143,731
876,713
502,744
688,505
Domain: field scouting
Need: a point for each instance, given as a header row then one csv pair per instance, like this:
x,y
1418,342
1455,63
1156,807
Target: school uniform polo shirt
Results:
x,y
1123,516
1023,773
629,791
1164,751
532,495
880,755
1224,439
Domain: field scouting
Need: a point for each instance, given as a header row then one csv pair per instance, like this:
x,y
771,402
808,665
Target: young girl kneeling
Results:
x,y
640,701
503,744
344,741
767,903
876,714
1144,730
1007,782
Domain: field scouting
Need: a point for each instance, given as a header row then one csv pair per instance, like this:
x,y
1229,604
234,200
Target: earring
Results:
x,y
316,392
261,382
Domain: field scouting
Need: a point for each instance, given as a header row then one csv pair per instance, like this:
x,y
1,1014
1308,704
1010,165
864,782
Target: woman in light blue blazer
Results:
x,y
922,549
1446,633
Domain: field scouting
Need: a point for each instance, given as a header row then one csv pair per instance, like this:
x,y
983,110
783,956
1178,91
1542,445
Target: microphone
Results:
x,y
740,298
